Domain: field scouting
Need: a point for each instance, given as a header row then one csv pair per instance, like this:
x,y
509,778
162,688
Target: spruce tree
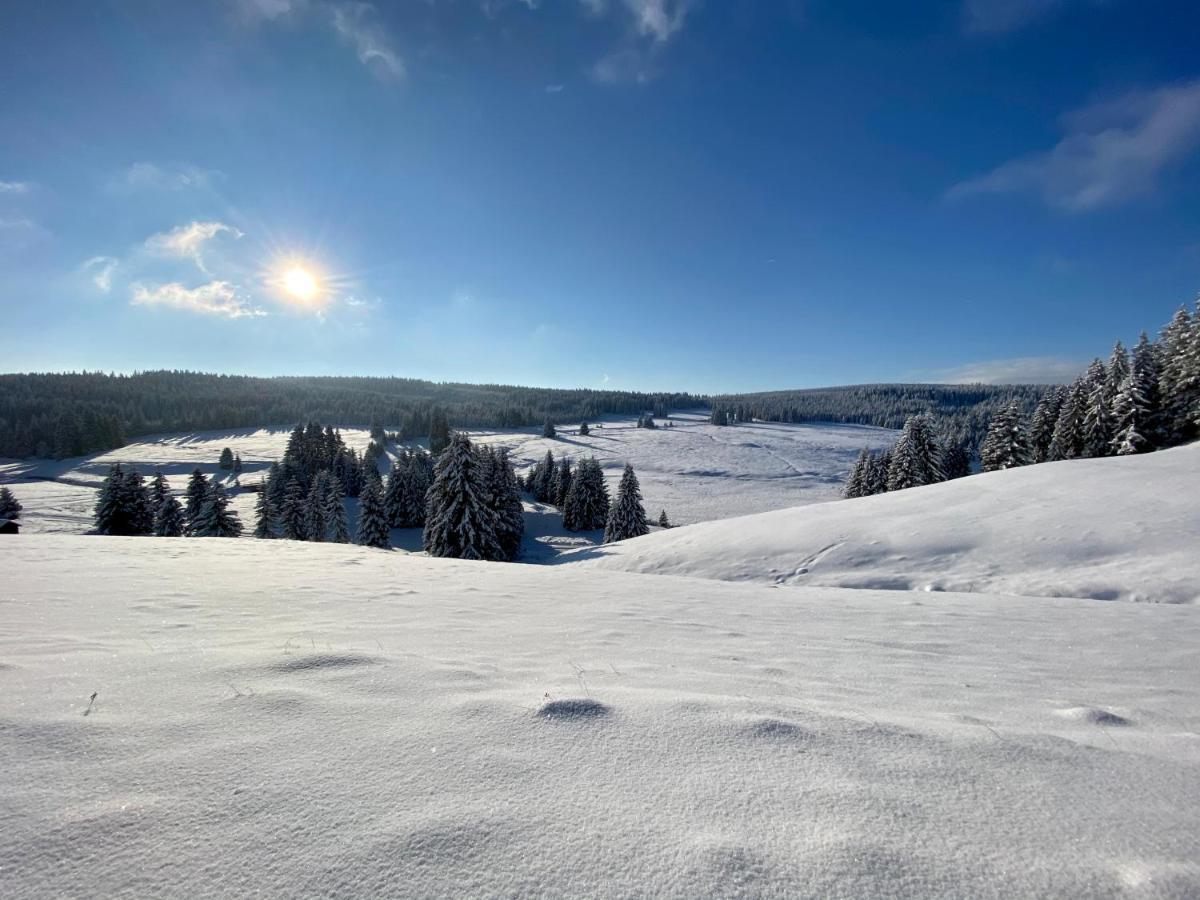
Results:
x,y
1175,346
215,519
548,429
168,520
110,516
226,461
583,429
1097,413
1132,418
395,495
956,462
543,485
159,490
562,482
1041,429
138,506
439,432
858,473
663,521
10,507
194,496
586,507
335,513
372,517
1006,445
264,516
237,463
627,518
291,513
510,513
314,509
876,481
458,521
1067,441
915,458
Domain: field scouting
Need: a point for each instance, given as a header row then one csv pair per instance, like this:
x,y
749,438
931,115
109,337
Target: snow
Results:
x,y
281,719
1120,528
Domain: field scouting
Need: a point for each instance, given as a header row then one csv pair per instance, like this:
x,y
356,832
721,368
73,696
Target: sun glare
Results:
x,y
300,283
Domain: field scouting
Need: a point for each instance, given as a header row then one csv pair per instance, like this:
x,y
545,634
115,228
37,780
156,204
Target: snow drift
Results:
x,y
1110,529
279,719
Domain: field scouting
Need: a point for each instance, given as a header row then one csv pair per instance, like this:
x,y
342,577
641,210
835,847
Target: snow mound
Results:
x,y
1106,529
276,719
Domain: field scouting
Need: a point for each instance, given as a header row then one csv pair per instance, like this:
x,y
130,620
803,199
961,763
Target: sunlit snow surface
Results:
x,y
283,719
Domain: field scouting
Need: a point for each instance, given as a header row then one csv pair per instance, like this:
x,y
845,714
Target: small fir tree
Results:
x,y
627,518
915,458
548,429
335,513
10,507
663,521
372,517
291,514
226,461
264,516
169,521
216,519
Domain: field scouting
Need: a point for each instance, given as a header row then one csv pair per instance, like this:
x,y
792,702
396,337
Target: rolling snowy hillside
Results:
x,y
1120,528
185,718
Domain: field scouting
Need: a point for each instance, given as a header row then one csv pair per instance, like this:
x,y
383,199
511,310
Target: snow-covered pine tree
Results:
x,y
168,520
562,482
291,512
110,516
586,507
264,516
394,495
135,499
10,507
1006,445
1097,412
335,513
1117,369
1144,375
195,494
459,522
1067,441
916,457
1130,413
856,480
510,513
237,463
548,429
627,518
544,484
215,518
226,459
1173,345
876,481
663,521
583,429
956,462
1041,429
314,508
159,490
372,517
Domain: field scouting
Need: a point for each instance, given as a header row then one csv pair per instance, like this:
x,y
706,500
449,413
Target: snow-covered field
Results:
x,y
282,719
1126,528
695,470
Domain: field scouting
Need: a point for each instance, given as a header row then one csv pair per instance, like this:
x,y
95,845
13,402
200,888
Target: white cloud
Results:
x,y
217,298
15,187
254,11
554,88
1020,370
354,22
187,241
1111,152
102,268
170,177
999,16
658,19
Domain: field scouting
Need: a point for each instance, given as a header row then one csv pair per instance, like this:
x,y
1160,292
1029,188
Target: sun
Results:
x,y
299,283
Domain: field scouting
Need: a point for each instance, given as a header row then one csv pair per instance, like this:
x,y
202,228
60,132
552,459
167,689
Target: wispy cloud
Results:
x,y
356,24
651,25
255,11
1020,370
217,298
1111,152
168,177
15,187
187,241
101,269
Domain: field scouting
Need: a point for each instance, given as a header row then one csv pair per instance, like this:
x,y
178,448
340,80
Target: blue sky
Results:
x,y
648,194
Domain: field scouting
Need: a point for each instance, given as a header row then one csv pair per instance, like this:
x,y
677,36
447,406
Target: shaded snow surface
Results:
x,y
1123,528
278,719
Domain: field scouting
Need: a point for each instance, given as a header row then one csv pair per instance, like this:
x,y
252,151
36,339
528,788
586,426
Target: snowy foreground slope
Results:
x,y
1124,528
285,719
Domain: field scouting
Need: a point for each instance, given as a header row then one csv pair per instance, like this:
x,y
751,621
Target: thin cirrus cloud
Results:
x,y
356,24
188,241
164,177
1019,370
217,298
1001,16
1111,152
15,187
101,269
652,24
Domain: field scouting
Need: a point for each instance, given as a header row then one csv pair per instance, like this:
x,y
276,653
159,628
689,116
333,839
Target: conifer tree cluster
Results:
x,y
407,484
646,421
473,507
301,498
586,505
126,505
10,507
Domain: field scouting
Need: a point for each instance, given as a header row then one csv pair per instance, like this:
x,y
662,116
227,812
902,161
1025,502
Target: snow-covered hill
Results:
x,y
279,719
1124,528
